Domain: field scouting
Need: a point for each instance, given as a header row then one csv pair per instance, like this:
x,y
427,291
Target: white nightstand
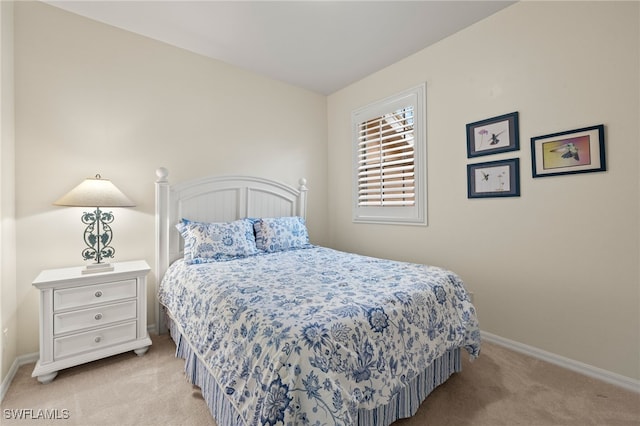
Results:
x,y
84,317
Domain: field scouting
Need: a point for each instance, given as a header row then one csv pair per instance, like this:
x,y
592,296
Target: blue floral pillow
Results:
x,y
281,233
216,242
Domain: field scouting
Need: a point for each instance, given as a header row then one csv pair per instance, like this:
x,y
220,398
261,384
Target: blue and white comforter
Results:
x,y
310,336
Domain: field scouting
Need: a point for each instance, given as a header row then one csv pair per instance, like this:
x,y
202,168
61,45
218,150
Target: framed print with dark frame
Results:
x,y
494,179
493,135
570,152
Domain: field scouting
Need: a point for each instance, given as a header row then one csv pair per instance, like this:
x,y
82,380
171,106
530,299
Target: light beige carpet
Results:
x,y
499,388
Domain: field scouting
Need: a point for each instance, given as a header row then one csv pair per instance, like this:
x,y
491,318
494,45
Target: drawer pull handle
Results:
x,y
97,339
98,293
98,317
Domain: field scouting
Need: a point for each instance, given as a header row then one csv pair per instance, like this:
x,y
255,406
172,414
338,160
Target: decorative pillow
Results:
x,y
281,233
215,242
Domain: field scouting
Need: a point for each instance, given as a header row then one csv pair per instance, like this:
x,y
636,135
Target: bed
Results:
x,y
278,331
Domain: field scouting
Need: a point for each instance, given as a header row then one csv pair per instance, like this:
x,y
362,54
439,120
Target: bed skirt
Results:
x,y
404,405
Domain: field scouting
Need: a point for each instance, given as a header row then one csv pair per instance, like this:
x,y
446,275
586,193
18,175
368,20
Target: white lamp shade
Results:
x,y
95,192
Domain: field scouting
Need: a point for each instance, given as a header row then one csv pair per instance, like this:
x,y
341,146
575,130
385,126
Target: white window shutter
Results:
x,y
389,160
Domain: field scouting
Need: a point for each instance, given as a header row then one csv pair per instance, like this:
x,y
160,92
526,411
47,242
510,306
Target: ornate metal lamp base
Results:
x,y
97,237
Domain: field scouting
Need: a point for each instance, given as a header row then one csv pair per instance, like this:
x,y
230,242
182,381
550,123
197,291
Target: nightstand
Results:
x,y
85,317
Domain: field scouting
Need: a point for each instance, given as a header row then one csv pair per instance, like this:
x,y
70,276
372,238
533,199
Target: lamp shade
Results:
x,y
95,192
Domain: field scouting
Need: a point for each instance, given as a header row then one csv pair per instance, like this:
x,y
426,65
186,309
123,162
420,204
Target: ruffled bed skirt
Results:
x,y
404,405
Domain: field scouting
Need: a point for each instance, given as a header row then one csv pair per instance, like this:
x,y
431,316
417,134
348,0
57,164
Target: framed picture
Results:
x,y
494,179
493,135
573,151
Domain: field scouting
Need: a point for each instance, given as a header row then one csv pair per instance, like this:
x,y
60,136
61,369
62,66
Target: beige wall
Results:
x,y
94,99
8,309
556,268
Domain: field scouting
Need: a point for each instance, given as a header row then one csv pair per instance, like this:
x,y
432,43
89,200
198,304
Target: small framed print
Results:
x,y
494,179
573,151
493,135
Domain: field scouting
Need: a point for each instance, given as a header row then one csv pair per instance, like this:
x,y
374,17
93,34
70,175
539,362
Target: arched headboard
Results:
x,y
216,199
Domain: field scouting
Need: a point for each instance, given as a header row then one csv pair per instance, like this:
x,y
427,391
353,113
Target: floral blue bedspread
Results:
x,y
310,336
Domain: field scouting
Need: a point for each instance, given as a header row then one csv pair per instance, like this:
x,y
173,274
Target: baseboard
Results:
x,y
4,387
570,364
26,359
17,363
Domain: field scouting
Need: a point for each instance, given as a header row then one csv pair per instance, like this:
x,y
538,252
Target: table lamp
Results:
x,y
96,192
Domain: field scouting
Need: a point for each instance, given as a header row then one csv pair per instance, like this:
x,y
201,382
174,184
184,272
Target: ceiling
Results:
x,y
322,46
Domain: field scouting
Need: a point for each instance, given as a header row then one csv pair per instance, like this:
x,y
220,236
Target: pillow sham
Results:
x,y
216,242
281,233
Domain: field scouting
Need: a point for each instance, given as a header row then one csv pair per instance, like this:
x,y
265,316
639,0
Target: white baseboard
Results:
x,y
4,387
570,364
26,359
17,363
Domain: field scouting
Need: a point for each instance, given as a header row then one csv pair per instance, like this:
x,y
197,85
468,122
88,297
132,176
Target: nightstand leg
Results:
x,y
141,351
47,378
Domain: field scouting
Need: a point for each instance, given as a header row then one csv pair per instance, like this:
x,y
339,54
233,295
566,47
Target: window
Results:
x,y
389,150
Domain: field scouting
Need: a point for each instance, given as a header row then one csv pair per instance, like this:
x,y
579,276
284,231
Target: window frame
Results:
x,y
401,215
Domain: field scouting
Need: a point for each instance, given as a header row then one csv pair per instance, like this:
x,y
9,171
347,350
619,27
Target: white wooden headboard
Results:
x,y
216,199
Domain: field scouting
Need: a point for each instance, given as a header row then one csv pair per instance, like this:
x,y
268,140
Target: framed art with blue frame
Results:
x,y
573,151
494,179
493,135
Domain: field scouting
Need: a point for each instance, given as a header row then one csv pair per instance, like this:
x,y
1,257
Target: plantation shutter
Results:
x,y
389,160
386,164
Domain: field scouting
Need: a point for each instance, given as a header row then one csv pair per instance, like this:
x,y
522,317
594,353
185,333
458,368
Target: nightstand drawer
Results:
x,y
90,295
93,340
97,316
